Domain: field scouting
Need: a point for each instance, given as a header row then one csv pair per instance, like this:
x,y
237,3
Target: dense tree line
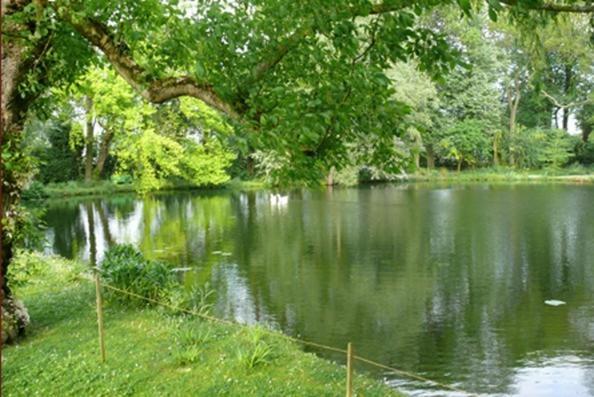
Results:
x,y
512,99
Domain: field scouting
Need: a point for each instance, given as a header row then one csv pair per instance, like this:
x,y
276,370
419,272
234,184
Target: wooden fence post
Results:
x,y
100,315
349,385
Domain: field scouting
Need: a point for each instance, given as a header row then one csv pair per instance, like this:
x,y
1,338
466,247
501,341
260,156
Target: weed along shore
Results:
x,y
151,350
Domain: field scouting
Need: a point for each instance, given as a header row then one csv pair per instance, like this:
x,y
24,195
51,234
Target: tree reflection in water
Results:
x,y
447,281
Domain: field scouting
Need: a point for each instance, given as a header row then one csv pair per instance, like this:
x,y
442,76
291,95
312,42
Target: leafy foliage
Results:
x,y
465,142
62,160
305,89
536,148
126,268
585,152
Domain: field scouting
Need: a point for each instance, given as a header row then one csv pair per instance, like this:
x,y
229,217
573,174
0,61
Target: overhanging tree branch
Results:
x,y
161,90
153,90
560,105
280,50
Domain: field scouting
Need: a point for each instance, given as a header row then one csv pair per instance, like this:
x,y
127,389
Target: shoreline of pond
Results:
x,y
103,188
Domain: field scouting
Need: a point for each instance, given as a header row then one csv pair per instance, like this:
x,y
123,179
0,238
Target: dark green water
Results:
x,y
448,282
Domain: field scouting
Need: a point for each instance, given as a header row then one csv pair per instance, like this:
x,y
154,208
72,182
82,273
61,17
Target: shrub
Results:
x,y
126,268
30,267
121,179
557,150
538,148
35,191
585,152
25,267
466,142
348,176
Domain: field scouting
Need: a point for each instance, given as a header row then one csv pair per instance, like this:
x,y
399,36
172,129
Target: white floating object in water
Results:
x,y
554,302
279,200
181,269
217,252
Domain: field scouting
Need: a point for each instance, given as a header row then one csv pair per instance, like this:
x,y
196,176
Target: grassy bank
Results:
x,y
575,174
567,175
98,188
151,352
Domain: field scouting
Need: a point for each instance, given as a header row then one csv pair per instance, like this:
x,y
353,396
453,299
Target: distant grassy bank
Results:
x,y
568,175
151,352
99,188
104,187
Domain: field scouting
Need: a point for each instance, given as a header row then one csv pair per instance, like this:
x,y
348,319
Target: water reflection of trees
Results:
x,y
449,282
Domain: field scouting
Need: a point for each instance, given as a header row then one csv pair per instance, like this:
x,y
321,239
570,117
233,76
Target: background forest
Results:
x,y
517,97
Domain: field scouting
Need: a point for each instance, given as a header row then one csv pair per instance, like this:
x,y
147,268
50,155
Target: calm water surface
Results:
x,y
445,281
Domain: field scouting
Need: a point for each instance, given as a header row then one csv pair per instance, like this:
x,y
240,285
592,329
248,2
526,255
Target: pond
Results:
x,y
448,282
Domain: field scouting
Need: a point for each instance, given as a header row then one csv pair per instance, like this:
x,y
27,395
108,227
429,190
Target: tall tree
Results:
x,y
564,61
472,91
419,92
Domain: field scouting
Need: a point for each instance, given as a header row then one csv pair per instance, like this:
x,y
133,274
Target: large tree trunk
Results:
x,y
513,102
566,119
103,152
586,131
567,88
430,157
330,177
496,150
89,140
14,109
20,58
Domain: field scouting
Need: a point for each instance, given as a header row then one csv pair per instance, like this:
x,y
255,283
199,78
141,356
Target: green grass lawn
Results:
x,y
104,187
151,352
576,174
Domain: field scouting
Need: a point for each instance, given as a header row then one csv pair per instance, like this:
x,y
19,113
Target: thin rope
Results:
x,y
410,375
291,338
167,305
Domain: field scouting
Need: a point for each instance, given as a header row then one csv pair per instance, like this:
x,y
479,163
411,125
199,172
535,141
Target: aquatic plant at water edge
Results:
x,y
126,268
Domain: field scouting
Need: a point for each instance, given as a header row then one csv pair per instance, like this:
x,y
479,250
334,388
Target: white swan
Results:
x,y
279,200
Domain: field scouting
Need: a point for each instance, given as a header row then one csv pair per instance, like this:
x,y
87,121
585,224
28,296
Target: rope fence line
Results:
x,y
293,339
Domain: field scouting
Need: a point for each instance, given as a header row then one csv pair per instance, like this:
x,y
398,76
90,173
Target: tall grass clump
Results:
x,y
124,267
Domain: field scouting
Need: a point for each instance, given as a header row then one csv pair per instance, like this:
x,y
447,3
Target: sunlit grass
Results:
x,y
151,352
504,174
103,187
